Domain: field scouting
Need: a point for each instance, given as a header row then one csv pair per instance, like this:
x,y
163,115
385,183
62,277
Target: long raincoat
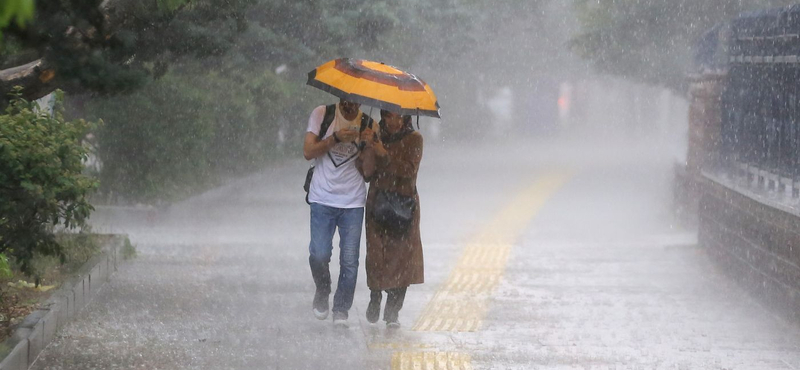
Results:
x,y
394,260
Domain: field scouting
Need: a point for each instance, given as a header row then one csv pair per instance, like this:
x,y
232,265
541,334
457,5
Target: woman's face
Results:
x,y
394,122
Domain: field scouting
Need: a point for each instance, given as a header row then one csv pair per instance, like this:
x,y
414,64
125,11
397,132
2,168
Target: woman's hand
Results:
x,y
377,145
368,137
373,141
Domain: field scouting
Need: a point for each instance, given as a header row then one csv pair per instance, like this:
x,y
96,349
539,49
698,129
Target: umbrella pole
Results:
x,y
362,144
417,118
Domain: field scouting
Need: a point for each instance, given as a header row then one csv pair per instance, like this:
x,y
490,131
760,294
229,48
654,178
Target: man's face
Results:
x,y
349,108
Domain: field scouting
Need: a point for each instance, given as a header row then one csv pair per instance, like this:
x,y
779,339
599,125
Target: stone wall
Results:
x,y
754,240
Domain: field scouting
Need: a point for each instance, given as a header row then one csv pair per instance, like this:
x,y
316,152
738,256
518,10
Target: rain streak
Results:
x,y
443,184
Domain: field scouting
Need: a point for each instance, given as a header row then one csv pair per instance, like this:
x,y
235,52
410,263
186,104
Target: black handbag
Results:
x,y
393,211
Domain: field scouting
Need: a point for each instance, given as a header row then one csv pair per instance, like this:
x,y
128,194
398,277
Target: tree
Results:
x,y
41,182
109,46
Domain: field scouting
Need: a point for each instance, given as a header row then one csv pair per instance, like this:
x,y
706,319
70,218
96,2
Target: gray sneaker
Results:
x,y
320,306
340,319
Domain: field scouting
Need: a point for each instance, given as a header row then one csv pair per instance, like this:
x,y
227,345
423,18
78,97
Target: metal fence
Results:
x,y
760,113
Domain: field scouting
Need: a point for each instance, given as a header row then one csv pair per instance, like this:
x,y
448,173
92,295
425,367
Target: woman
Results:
x,y
394,252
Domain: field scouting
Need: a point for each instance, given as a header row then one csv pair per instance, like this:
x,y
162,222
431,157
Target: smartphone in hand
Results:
x,y
356,129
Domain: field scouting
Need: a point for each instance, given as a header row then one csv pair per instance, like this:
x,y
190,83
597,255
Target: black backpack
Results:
x,y
330,113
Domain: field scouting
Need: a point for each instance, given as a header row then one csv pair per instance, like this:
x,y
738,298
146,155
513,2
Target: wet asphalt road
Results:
x,y
601,277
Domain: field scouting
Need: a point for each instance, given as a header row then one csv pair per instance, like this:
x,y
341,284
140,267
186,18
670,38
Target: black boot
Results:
x,y
374,308
394,302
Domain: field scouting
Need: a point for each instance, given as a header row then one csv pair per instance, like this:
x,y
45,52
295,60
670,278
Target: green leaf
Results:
x,y
5,267
21,11
170,5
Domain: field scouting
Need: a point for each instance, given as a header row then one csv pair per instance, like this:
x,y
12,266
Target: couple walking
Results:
x,y
349,150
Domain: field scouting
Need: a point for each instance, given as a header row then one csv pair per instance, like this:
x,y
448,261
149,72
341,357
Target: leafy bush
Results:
x,y
78,248
153,142
128,250
41,182
181,134
5,267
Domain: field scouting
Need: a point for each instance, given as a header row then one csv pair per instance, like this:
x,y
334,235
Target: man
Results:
x,y
337,196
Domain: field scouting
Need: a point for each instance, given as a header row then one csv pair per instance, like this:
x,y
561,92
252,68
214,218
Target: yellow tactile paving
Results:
x,y
431,361
398,345
461,302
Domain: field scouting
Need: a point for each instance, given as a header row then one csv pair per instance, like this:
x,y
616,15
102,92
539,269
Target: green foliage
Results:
x,y
18,11
128,250
78,248
5,267
41,182
650,40
180,134
153,141
120,45
170,5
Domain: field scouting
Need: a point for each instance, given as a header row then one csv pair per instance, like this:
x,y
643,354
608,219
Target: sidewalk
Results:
x,y
598,279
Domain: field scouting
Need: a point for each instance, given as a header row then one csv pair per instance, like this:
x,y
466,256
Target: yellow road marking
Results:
x,y
462,301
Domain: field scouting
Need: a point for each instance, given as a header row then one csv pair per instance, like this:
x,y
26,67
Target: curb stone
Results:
x,y
39,328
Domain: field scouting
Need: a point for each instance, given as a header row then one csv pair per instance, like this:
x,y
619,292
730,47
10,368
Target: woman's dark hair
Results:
x,y
406,118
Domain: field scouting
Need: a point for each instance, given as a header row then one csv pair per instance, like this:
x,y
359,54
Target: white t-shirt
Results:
x,y
336,181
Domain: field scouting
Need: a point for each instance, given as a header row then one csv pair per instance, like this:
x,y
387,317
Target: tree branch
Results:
x,y
36,79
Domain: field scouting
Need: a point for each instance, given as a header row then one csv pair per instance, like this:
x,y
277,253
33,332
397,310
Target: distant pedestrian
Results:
x,y
337,196
394,247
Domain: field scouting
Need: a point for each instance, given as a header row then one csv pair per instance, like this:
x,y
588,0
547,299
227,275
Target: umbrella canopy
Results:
x,y
375,84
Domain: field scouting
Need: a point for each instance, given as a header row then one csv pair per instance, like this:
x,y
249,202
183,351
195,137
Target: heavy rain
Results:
x,y
502,184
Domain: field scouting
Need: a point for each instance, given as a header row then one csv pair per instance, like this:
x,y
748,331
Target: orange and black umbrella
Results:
x,y
375,84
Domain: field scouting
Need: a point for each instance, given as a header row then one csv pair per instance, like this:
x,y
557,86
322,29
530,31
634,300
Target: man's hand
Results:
x,y
347,135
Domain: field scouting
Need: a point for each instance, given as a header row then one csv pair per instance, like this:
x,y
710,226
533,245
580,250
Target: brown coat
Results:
x,y
394,261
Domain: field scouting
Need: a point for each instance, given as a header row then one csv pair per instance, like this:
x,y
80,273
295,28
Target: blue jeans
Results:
x,y
324,221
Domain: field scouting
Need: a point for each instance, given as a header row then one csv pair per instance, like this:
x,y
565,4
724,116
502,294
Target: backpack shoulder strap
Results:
x,y
330,113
